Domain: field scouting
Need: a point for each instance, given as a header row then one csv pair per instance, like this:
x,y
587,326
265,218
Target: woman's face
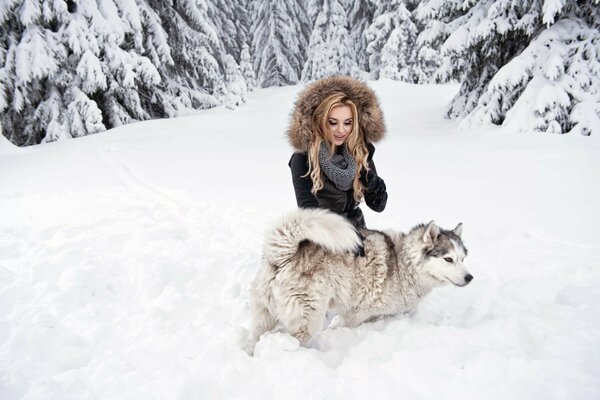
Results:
x,y
340,123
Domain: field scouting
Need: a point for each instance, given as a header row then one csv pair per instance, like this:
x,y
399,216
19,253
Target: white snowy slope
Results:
x,y
125,259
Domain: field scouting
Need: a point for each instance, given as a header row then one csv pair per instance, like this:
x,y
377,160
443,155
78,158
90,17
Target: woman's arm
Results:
x,y
302,184
375,189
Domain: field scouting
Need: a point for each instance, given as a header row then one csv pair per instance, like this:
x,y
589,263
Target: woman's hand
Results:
x,y
376,194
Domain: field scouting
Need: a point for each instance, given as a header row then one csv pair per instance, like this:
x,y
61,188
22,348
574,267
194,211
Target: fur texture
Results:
x,y
300,131
326,229
309,267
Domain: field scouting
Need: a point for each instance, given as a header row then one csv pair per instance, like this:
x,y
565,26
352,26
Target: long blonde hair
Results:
x,y
322,133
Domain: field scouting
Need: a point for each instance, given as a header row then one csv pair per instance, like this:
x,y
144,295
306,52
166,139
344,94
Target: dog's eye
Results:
x,y
448,259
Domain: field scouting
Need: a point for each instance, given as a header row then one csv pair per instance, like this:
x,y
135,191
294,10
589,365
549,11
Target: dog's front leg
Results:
x,y
355,317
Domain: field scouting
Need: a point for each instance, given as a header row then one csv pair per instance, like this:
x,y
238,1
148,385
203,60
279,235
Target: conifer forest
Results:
x,y
70,68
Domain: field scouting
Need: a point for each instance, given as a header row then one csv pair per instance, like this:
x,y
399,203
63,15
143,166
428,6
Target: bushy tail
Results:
x,y
332,231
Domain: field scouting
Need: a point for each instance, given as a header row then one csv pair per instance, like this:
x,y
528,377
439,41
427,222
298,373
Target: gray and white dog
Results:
x,y
309,266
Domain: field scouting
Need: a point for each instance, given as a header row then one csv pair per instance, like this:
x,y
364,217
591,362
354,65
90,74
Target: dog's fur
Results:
x,y
310,265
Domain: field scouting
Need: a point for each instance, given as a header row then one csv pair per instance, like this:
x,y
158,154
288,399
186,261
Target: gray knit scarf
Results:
x,y
339,168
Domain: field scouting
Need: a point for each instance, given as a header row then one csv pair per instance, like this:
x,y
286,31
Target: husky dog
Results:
x,y
310,265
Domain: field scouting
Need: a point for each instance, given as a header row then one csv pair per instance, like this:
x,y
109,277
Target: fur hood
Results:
x,y
300,131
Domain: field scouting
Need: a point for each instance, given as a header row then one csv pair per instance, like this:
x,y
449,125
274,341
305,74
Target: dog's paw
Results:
x,y
302,336
272,344
249,346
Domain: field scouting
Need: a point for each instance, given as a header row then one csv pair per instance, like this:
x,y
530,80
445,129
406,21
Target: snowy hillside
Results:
x,y
125,259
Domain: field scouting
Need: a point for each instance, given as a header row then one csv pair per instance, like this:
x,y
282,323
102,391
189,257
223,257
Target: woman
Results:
x,y
333,126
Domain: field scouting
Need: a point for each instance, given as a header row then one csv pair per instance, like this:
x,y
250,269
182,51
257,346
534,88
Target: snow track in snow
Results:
x,y
130,178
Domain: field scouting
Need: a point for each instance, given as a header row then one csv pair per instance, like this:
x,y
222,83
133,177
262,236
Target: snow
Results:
x,y
125,259
550,8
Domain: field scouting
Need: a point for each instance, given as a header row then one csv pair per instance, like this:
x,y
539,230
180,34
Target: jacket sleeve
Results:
x,y
302,184
375,189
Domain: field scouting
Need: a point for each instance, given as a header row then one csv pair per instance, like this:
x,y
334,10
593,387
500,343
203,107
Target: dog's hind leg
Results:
x,y
262,320
306,319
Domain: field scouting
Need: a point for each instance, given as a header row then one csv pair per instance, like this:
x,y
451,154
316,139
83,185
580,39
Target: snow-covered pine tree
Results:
x,y
436,20
313,7
197,78
235,83
553,85
330,49
73,68
231,20
391,43
128,97
360,17
247,68
280,38
530,64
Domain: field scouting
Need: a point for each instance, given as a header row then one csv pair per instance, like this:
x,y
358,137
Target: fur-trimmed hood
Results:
x,y
300,132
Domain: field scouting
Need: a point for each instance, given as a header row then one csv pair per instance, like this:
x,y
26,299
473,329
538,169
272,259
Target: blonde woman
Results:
x,y
333,126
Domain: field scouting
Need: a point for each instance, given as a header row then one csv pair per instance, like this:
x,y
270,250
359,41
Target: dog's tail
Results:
x,y
322,227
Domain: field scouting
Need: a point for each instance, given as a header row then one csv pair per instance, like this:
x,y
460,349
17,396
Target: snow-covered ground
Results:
x,y
125,259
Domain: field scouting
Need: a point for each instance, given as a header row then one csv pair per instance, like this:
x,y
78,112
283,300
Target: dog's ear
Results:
x,y
458,230
431,233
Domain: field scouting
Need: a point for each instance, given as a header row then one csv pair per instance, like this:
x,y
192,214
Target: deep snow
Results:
x,y
125,259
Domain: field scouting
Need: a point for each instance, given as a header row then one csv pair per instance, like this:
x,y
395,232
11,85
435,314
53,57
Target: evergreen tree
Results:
x,y
532,64
280,38
391,42
230,17
361,17
71,69
437,19
329,50
195,79
247,68
235,83
313,8
202,73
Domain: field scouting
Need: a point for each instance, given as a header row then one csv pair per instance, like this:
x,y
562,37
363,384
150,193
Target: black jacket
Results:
x,y
334,199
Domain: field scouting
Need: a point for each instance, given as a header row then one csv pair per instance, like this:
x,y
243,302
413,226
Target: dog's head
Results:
x,y
444,254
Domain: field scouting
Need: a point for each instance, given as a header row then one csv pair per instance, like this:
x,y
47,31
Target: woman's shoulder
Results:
x,y
299,156
298,160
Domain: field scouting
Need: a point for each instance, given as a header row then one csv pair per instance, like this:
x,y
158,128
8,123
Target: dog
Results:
x,y
310,265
